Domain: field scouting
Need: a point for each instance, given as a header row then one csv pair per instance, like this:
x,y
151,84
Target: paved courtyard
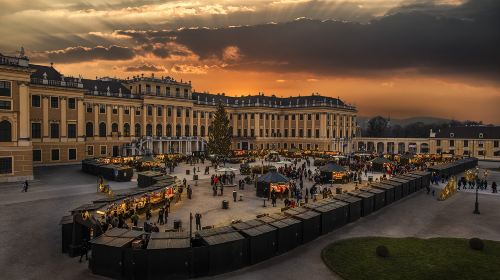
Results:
x,y
31,242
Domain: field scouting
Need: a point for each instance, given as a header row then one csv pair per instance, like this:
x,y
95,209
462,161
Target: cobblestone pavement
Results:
x,y
30,237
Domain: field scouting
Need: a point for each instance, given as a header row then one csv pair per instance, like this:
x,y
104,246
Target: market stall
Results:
x,y
398,188
354,205
108,251
288,234
379,197
172,248
333,173
382,164
367,201
272,182
262,242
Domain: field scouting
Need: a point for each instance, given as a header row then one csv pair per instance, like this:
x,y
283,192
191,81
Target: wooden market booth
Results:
x,y
270,181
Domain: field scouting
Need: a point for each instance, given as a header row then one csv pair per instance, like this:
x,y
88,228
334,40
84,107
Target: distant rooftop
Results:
x,y
470,132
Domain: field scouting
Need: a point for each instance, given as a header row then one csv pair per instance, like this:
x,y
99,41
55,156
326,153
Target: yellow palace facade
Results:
x,y
47,118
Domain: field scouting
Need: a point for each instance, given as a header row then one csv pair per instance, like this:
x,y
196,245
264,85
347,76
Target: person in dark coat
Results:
x,y
84,250
189,192
197,218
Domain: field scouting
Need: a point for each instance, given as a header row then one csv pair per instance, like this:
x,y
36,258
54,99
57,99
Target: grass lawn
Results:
x,y
412,258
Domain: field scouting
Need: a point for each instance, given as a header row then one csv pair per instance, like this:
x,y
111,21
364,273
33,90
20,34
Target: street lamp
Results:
x,y
476,205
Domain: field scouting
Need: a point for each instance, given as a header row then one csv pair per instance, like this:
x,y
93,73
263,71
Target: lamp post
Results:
x,y
476,205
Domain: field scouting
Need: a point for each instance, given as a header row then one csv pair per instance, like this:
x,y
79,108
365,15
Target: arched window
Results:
x,y
138,131
126,130
209,129
186,130
195,130
89,129
178,130
169,130
149,130
159,130
202,131
5,131
114,127
102,130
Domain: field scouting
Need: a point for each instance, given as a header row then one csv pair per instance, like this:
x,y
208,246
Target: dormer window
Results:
x,y
452,135
480,135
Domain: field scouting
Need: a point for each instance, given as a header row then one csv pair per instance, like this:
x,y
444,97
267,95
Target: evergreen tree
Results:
x,y
219,137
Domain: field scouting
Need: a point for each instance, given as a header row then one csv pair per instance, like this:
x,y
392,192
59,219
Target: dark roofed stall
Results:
x,y
389,191
108,251
272,180
288,234
226,252
169,255
332,172
354,206
379,197
398,188
262,243
367,201
405,185
310,223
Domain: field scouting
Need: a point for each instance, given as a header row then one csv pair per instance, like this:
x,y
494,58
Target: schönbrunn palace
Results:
x,y
47,118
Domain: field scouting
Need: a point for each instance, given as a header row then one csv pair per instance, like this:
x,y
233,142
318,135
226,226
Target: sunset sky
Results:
x,y
388,57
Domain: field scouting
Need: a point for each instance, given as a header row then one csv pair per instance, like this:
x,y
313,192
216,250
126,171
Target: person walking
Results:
x,y
189,191
84,250
25,186
134,218
160,216
197,217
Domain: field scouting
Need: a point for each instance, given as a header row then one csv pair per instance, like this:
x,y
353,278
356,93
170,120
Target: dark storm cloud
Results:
x,y
144,68
468,43
81,54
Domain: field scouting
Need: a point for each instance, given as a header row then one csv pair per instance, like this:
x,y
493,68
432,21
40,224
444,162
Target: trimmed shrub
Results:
x,y
476,244
382,251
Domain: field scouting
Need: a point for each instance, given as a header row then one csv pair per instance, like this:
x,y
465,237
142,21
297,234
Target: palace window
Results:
x,y
159,111
5,131
36,130
138,131
89,108
54,130
126,110
150,110
114,110
102,109
71,130
90,150
5,105
37,155
89,129
6,165
102,129
54,102
103,149
5,88
54,154
35,101
72,154
72,103
126,130
179,112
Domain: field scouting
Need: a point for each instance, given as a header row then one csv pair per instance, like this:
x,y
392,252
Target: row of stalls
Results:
x,y
125,254
218,250
454,167
108,170
85,222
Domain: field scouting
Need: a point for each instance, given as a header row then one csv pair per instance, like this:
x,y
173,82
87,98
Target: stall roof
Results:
x,y
331,167
273,177
259,230
381,160
167,243
267,219
115,232
215,231
169,235
66,220
277,216
223,238
89,207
